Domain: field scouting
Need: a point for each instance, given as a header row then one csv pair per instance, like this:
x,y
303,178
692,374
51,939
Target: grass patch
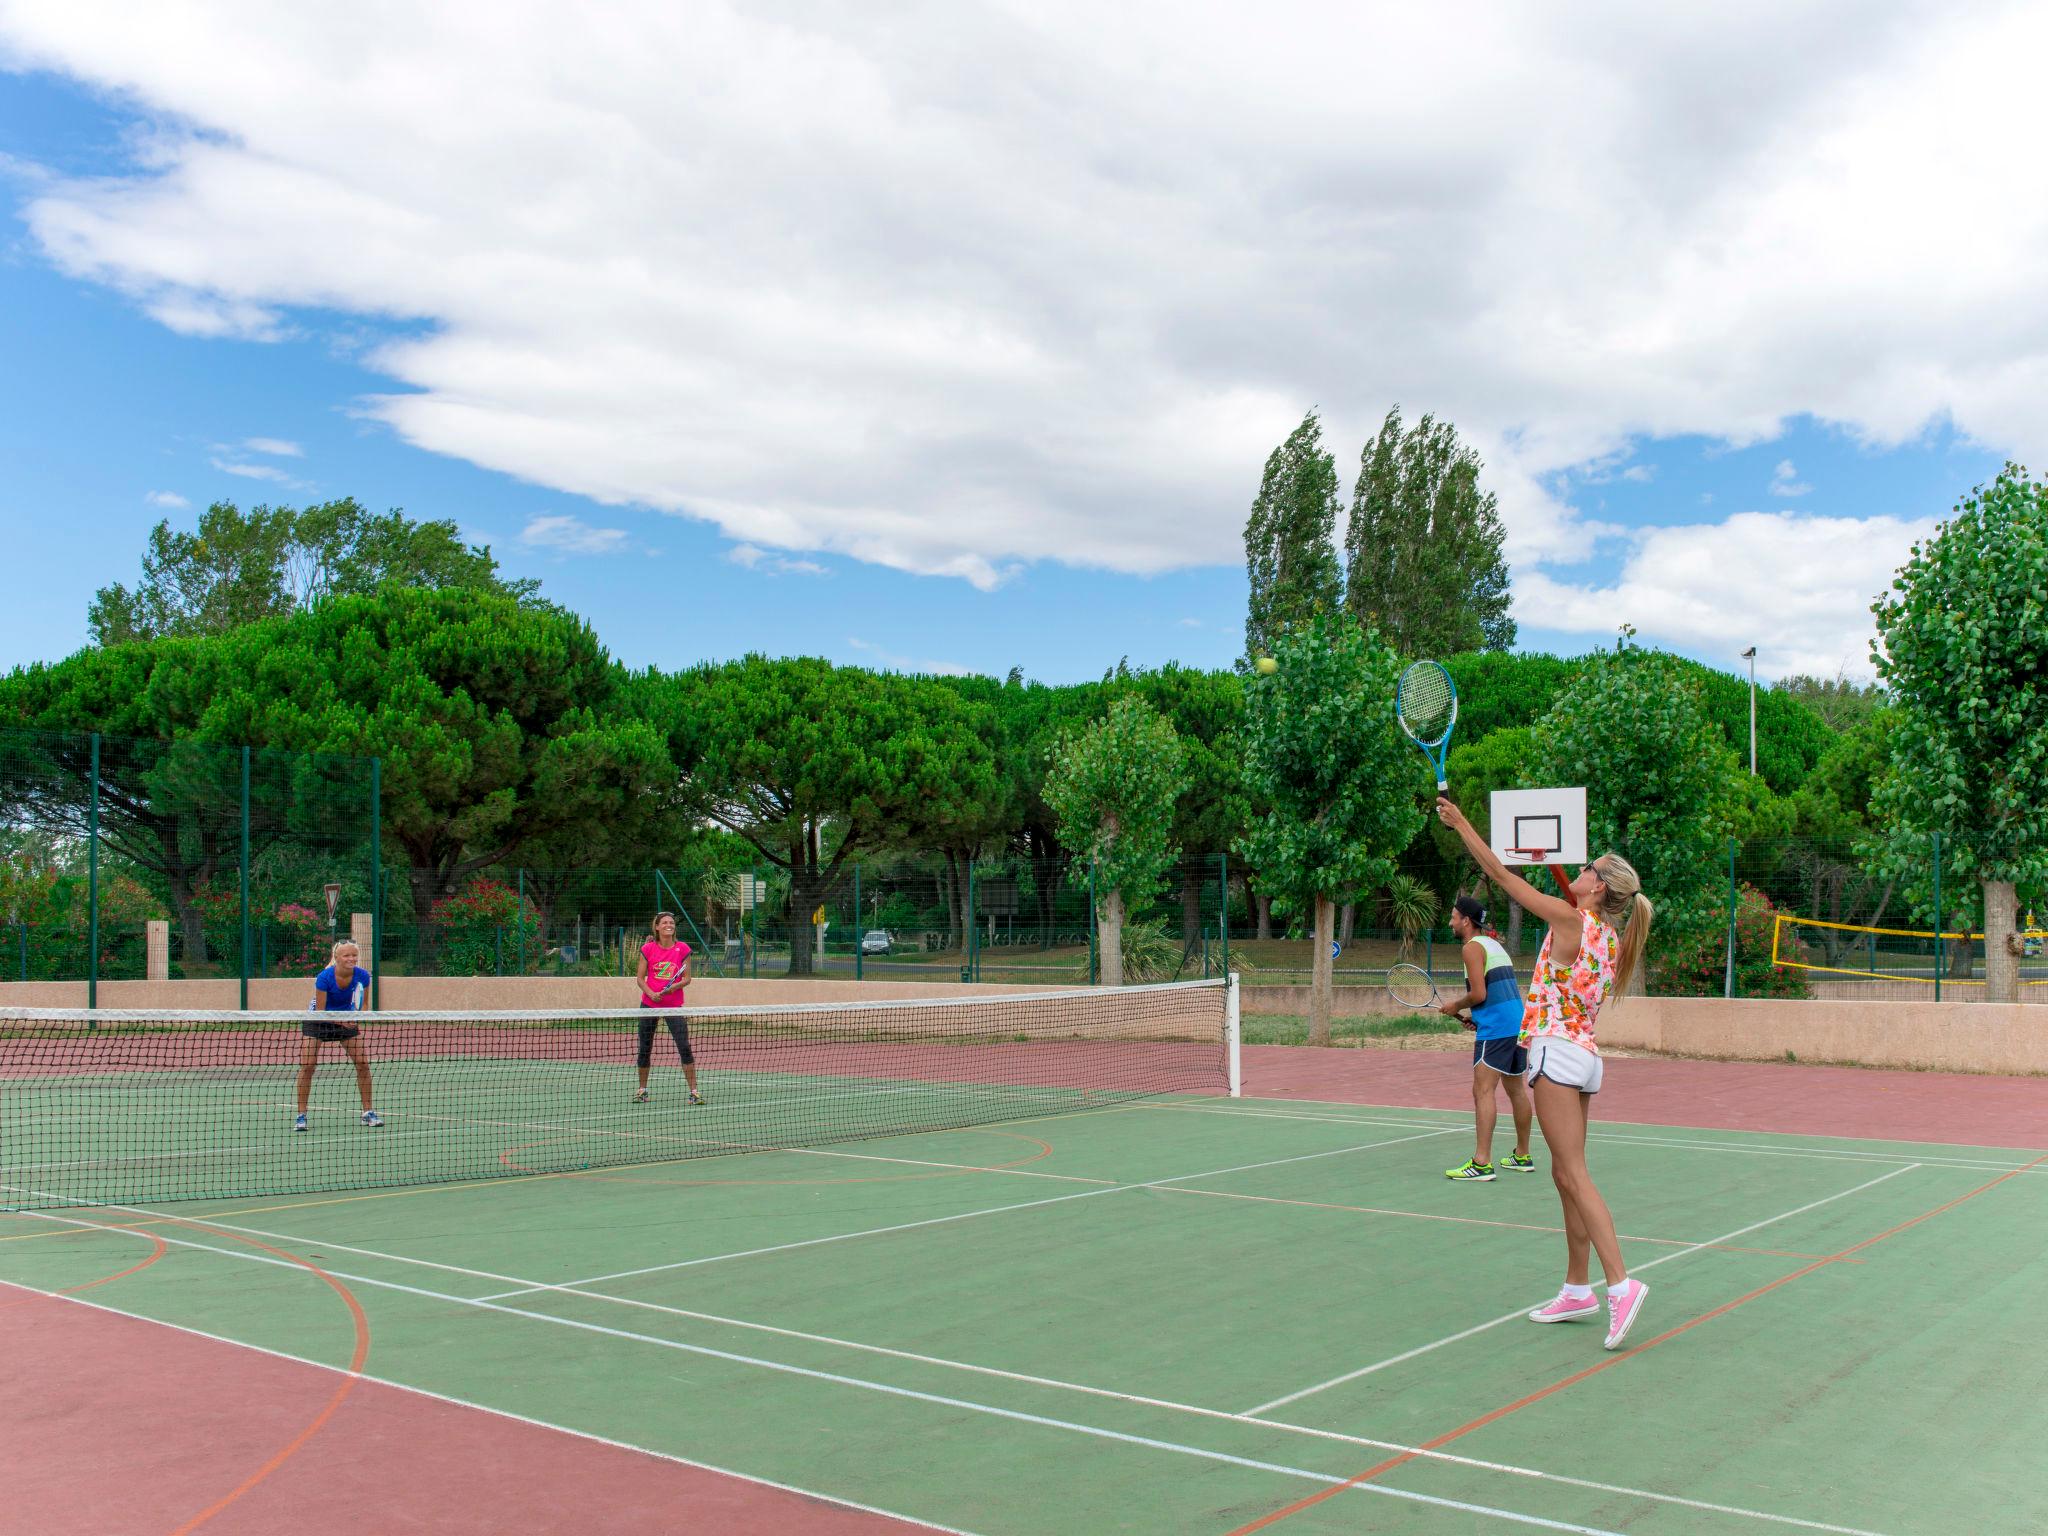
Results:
x,y
1292,1029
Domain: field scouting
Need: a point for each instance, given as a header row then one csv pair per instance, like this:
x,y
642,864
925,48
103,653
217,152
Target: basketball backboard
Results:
x,y
1539,826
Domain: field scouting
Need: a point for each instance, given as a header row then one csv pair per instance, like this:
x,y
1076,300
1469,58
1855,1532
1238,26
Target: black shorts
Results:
x,y
678,1031
329,1029
1507,1055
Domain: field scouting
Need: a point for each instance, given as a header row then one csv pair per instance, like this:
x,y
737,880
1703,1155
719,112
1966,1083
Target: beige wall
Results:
x,y
1955,1037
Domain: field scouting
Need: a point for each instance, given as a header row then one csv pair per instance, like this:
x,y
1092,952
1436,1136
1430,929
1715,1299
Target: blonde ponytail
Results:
x,y
1628,909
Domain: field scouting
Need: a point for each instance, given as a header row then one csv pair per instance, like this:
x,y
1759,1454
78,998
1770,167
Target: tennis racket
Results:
x,y
1412,987
1426,704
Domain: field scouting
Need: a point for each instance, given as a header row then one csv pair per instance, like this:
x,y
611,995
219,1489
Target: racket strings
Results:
x,y
1424,701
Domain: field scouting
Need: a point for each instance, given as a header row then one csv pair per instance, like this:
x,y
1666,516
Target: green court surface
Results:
x,y
1188,1316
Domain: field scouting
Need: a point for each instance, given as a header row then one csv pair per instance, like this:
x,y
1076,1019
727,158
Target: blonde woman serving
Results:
x,y
1591,951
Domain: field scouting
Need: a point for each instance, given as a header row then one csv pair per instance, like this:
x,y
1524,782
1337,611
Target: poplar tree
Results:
x,y
1423,549
1290,546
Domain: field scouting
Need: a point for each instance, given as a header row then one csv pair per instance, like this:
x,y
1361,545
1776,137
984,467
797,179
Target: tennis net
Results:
x,y
103,1106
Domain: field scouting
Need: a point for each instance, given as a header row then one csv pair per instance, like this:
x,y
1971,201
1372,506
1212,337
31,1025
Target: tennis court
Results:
x,y
1182,1313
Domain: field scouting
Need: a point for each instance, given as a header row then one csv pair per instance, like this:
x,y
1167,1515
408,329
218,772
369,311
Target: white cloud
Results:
x,y
254,471
1048,281
898,663
1190,623
276,447
1641,474
1785,480
572,536
754,558
1797,587
166,499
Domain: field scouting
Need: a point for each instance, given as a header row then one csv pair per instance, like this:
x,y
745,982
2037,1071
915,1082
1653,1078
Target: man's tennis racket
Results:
x,y
1412,987
1426,704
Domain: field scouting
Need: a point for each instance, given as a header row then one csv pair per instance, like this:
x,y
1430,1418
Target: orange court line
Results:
x,y
1613,1360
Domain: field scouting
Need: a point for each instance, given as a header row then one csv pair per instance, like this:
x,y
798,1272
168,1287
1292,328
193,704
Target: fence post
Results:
x,y
1094,969
498,950
376,879
1223,907
245,878
522,920
753,922
858,934
1728,982
1940,948
971,971
92,882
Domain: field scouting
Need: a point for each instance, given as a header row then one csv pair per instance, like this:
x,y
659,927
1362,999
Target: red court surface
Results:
x,y
1784,1099
115,1425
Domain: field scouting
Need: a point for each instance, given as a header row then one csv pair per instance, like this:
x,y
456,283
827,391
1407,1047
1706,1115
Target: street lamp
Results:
x,y
1750,657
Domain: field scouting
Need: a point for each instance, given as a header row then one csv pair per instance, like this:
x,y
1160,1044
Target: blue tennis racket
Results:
x,y
1426,704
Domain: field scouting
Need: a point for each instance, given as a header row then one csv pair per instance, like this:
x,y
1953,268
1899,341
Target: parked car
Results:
x,y
875,941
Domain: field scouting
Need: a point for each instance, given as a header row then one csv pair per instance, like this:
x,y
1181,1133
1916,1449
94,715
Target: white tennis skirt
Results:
x,y
1561,1061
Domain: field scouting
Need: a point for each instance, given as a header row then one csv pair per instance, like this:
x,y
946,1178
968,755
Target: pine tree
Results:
x,y
1290,539
1424,545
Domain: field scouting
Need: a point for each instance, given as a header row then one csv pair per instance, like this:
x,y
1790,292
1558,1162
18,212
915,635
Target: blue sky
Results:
x,y
773,440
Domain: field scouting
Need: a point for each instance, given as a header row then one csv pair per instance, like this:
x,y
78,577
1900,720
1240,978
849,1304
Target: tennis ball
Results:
x,y
1267,665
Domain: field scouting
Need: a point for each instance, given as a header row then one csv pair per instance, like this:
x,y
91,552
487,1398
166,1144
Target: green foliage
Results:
x,y
1963,646
1423,549
1790,735
1840,701
1150,953
1413,906
482,930
1498,690
1632,729
1289,540
1113,787
1695,963
239,567
1332,787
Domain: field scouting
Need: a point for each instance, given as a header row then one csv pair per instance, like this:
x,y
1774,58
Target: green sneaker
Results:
x,y
1482,1172
1519,1162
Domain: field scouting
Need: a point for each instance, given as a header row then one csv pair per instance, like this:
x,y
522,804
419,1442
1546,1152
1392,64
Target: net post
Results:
x,y
92,882
377,880
1728,982
1233,1038
858,934
245,878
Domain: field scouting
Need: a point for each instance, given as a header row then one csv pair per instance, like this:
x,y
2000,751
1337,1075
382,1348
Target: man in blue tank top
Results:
x,y
1498,1058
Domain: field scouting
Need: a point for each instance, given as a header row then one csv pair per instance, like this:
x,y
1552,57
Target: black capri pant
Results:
x,y
678,1031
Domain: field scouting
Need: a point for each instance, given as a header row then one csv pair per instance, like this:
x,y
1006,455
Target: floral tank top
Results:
x,y
1564,1001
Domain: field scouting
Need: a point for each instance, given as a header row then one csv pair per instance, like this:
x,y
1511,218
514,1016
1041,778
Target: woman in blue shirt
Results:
x,y
344,987
1498,1057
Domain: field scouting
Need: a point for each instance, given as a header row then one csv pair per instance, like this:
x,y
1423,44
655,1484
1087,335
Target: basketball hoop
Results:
x,y
1543,856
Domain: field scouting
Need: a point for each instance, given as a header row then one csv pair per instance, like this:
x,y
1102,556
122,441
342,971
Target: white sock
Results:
x,y
1578,1292
1619,1285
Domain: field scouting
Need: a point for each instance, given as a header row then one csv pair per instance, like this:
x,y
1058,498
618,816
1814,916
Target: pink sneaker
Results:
x,y
1623,1310
1565,1309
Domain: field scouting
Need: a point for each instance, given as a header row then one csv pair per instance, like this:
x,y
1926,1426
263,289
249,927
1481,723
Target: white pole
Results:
x,y
1233,1039
1750,656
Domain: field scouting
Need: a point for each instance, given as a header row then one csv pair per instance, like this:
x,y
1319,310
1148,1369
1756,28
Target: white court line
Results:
x,y
1054,1383
994,1210
1930,1159
836,1379
1508,1317
498,1413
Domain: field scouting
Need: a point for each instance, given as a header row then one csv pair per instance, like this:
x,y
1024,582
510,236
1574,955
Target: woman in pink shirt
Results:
x,y
1594,946
664,972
